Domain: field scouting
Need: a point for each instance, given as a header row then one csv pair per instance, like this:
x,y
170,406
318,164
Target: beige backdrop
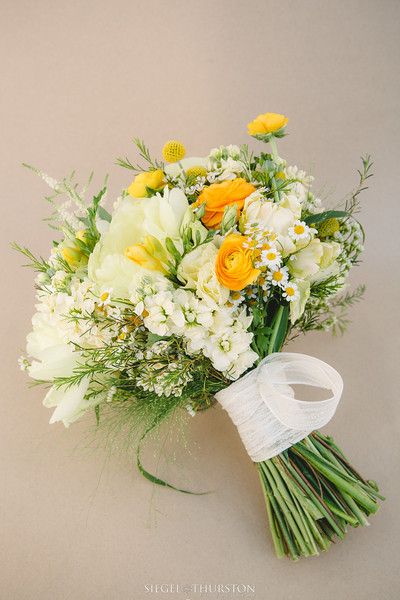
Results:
x,y
79,80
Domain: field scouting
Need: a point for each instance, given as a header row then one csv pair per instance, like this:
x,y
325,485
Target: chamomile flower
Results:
x,y
235,299
300,231
291,292
271,258
278,276
105,297
263,282
251,293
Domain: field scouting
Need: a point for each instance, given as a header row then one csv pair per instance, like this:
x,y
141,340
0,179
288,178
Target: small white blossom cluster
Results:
x,y
164,379
219,332
67,304
224,163
196,187
351,239
300,186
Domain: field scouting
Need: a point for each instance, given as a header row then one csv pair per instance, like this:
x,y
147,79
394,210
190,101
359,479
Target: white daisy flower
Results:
x,y
105,297
291,292
279,276
263,282
271,258
300,230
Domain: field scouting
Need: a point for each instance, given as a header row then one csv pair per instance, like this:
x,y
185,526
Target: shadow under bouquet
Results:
x,y
184,295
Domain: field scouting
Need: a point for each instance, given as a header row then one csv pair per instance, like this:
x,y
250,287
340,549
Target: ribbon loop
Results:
x,y
263,406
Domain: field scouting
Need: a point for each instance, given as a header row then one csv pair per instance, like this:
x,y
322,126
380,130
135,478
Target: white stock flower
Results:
x,y
159,308
228,345
190,312
244,361
301,184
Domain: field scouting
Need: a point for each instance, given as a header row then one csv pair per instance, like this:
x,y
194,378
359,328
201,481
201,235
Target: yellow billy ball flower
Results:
x,y
173,151
267,123
328,227
196,172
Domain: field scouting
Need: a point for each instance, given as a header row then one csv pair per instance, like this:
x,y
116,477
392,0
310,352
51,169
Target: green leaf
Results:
x,y
172,249
104,214
280,327
324,216
153,337
154,478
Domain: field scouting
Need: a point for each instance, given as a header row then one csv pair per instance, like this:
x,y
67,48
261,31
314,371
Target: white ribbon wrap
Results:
x,y
264,409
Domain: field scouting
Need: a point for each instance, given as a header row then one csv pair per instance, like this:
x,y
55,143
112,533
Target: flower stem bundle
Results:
x,y
312,495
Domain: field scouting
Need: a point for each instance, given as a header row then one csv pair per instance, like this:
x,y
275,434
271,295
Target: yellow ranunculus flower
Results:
x,y
218,196
149,179
234,263
267,123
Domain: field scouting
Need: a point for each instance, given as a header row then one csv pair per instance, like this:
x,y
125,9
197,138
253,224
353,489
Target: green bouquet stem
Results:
x,y
312,492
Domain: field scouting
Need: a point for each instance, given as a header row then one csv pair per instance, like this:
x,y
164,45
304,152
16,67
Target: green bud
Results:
x,y
229,217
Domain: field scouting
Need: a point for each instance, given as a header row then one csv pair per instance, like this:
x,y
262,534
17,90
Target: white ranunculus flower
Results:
x,y
176,168
272,217
55,358
306,263
331,251
292,203
133,220
46,344
323,274
328,264
197,270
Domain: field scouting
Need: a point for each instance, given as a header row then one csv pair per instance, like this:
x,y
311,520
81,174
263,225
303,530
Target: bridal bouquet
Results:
x,y
184,296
